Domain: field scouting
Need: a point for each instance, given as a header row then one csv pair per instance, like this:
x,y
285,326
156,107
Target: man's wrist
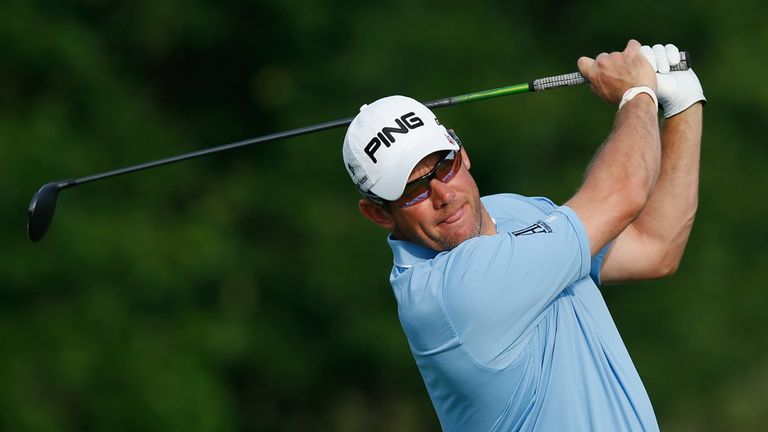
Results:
x,y
633,92
692,113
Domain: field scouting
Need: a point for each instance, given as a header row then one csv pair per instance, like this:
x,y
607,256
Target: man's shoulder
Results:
x,y
517,207
503,199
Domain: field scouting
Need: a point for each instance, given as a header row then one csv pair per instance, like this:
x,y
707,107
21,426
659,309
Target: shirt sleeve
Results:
x,y
546,205
597,263
496,286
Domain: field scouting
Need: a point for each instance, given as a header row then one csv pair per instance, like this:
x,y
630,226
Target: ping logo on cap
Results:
x,y
406,123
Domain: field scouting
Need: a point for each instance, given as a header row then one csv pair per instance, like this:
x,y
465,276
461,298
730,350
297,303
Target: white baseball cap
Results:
x,y
387,139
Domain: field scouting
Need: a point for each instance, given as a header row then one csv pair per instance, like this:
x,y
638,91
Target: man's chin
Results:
x,y
458,236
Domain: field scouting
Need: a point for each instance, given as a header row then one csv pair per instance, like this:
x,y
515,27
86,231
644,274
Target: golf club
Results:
x,y
43,204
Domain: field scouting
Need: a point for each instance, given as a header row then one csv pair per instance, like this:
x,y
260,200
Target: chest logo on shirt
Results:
x,y
539,227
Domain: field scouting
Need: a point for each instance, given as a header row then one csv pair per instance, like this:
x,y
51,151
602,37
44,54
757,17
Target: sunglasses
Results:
x,y
419,190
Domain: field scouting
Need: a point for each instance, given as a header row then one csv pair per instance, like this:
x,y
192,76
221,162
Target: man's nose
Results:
x,y
441,194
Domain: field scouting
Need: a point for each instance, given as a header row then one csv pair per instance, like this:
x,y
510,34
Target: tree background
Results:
x,y
244,292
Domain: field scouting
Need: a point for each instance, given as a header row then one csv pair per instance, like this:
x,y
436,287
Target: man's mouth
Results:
x,y
455,216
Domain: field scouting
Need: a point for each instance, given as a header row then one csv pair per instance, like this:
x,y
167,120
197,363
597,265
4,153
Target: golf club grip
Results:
x,y
575,78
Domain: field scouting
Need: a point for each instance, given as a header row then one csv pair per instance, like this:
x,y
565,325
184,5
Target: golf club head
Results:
x,y
40,212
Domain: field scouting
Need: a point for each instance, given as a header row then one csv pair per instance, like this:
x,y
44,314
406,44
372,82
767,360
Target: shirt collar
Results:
x,y
407,254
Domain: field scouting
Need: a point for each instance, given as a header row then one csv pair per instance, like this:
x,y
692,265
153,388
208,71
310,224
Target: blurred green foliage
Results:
x,y
243,291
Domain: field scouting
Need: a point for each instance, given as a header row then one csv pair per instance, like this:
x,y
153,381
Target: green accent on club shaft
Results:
x,y
492,93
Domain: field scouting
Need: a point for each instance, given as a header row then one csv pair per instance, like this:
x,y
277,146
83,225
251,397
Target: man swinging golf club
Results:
x,y
498,295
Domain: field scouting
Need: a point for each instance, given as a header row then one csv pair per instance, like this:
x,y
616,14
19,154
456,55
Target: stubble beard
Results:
x,y
446,243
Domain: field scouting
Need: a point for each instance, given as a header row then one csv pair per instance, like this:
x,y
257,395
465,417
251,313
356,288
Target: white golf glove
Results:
x,y
676,90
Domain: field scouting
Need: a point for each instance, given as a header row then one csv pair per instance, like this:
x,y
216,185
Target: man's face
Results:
x,y
452,213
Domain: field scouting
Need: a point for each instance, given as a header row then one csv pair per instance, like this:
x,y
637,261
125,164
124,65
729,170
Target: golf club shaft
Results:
x,y
218,149
540,84
565,80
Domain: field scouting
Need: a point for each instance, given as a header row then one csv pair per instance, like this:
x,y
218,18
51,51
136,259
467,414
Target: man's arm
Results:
x,y
652,246
622,175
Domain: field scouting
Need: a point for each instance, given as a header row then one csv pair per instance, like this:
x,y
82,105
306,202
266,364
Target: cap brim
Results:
x,y
391,185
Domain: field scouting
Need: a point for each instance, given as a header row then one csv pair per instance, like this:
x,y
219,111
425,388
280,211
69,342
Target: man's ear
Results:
x,y
465,158
464,155
376,214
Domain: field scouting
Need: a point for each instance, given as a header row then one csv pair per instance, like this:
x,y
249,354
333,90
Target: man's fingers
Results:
x,y
585,64
662,62
649,55
661,57
673,54
632,45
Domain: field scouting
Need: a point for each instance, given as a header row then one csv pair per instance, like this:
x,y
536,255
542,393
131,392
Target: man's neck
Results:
x,y
487,225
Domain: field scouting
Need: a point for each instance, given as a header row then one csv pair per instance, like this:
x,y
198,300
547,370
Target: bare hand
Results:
x,y
610,75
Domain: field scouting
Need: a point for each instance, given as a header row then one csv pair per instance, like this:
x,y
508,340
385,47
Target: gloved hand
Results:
x,y
676,90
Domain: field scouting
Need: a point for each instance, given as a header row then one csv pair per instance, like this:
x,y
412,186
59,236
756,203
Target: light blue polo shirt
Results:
x,y
510,332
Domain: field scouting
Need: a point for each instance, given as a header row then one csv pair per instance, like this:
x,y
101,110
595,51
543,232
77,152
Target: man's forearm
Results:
x,y
620,178
668,216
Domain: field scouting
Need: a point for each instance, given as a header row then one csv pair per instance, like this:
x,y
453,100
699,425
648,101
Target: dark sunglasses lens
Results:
x,y
414,193
418,190
447,166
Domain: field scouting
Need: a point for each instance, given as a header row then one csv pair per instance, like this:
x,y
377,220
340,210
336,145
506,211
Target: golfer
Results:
x,y
498,295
